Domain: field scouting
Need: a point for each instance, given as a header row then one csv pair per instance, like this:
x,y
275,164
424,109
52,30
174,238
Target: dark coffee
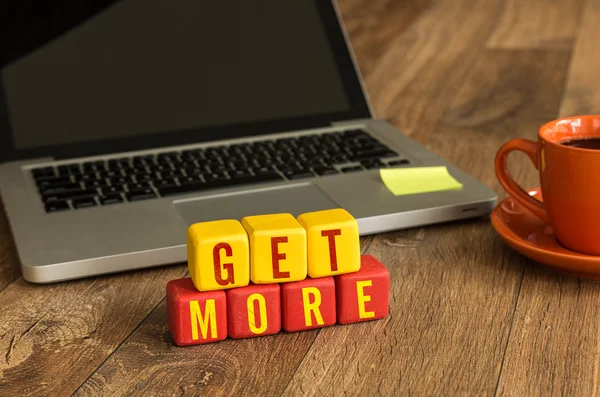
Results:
x,y
585,143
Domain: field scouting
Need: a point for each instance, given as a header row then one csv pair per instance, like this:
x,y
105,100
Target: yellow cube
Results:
x,y
278,253
333,242
218,255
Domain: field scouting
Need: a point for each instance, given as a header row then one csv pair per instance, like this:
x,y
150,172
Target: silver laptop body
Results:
x,y
136,231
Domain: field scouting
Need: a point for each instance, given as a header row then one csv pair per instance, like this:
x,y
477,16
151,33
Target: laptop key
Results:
x,y
68,169
264,171
111,173
370,164
352,168
399,162
55,206
112,189
43,172
169,182
54,182
111,198
71,194
325,171
60,189
120,180
190,179
140,194
137,186
240,174
84,202
184,188
298,174
372,154
216,177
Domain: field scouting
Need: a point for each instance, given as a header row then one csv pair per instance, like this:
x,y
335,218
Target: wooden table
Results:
x,y
468,316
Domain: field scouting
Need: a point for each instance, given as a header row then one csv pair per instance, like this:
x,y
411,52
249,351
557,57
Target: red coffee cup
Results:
x,y
569,179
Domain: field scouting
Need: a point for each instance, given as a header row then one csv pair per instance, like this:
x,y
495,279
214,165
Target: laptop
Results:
x,y
142,117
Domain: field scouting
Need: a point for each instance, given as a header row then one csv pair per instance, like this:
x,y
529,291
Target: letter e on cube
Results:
x,y
364,295
278,253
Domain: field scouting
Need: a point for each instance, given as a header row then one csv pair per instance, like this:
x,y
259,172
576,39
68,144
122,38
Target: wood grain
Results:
x,y
554,342
372,26
424,67
582,95
506,95
9,260
536,24
47,331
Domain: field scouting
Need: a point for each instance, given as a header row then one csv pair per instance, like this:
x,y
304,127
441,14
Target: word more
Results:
x,y
268,272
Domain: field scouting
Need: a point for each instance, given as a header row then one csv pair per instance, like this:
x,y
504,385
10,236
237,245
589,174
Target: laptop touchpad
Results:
x,y
293,199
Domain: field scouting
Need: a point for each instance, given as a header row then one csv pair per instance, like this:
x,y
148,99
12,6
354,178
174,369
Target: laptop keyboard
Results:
x,y
115,181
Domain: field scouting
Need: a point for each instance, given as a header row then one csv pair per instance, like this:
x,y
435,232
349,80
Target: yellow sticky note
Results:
x,y
403,181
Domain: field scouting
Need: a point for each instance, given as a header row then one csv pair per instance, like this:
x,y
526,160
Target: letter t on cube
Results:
x,y
333,242
218,255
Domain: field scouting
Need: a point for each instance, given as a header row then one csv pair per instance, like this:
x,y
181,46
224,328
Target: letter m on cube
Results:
x,y
195,317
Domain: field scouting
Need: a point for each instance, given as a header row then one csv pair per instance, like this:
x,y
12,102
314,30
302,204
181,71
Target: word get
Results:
x,y
272,248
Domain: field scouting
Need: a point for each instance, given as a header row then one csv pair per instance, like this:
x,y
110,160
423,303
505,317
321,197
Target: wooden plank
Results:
x,y
507,95
553,348
255,366
372,26
9,260
417,77
537,24
53,337
582,95
555,337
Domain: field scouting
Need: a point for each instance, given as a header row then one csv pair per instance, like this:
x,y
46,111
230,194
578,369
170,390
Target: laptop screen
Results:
x,y
150,68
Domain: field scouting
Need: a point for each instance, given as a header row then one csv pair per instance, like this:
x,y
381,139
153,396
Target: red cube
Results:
x,y
363,295
195,317
254,310
308,304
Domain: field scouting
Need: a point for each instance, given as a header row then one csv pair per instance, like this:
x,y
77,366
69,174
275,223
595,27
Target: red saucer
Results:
x,y
531,237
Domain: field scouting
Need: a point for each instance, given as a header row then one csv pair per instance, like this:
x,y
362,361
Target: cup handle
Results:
x,y
531,149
